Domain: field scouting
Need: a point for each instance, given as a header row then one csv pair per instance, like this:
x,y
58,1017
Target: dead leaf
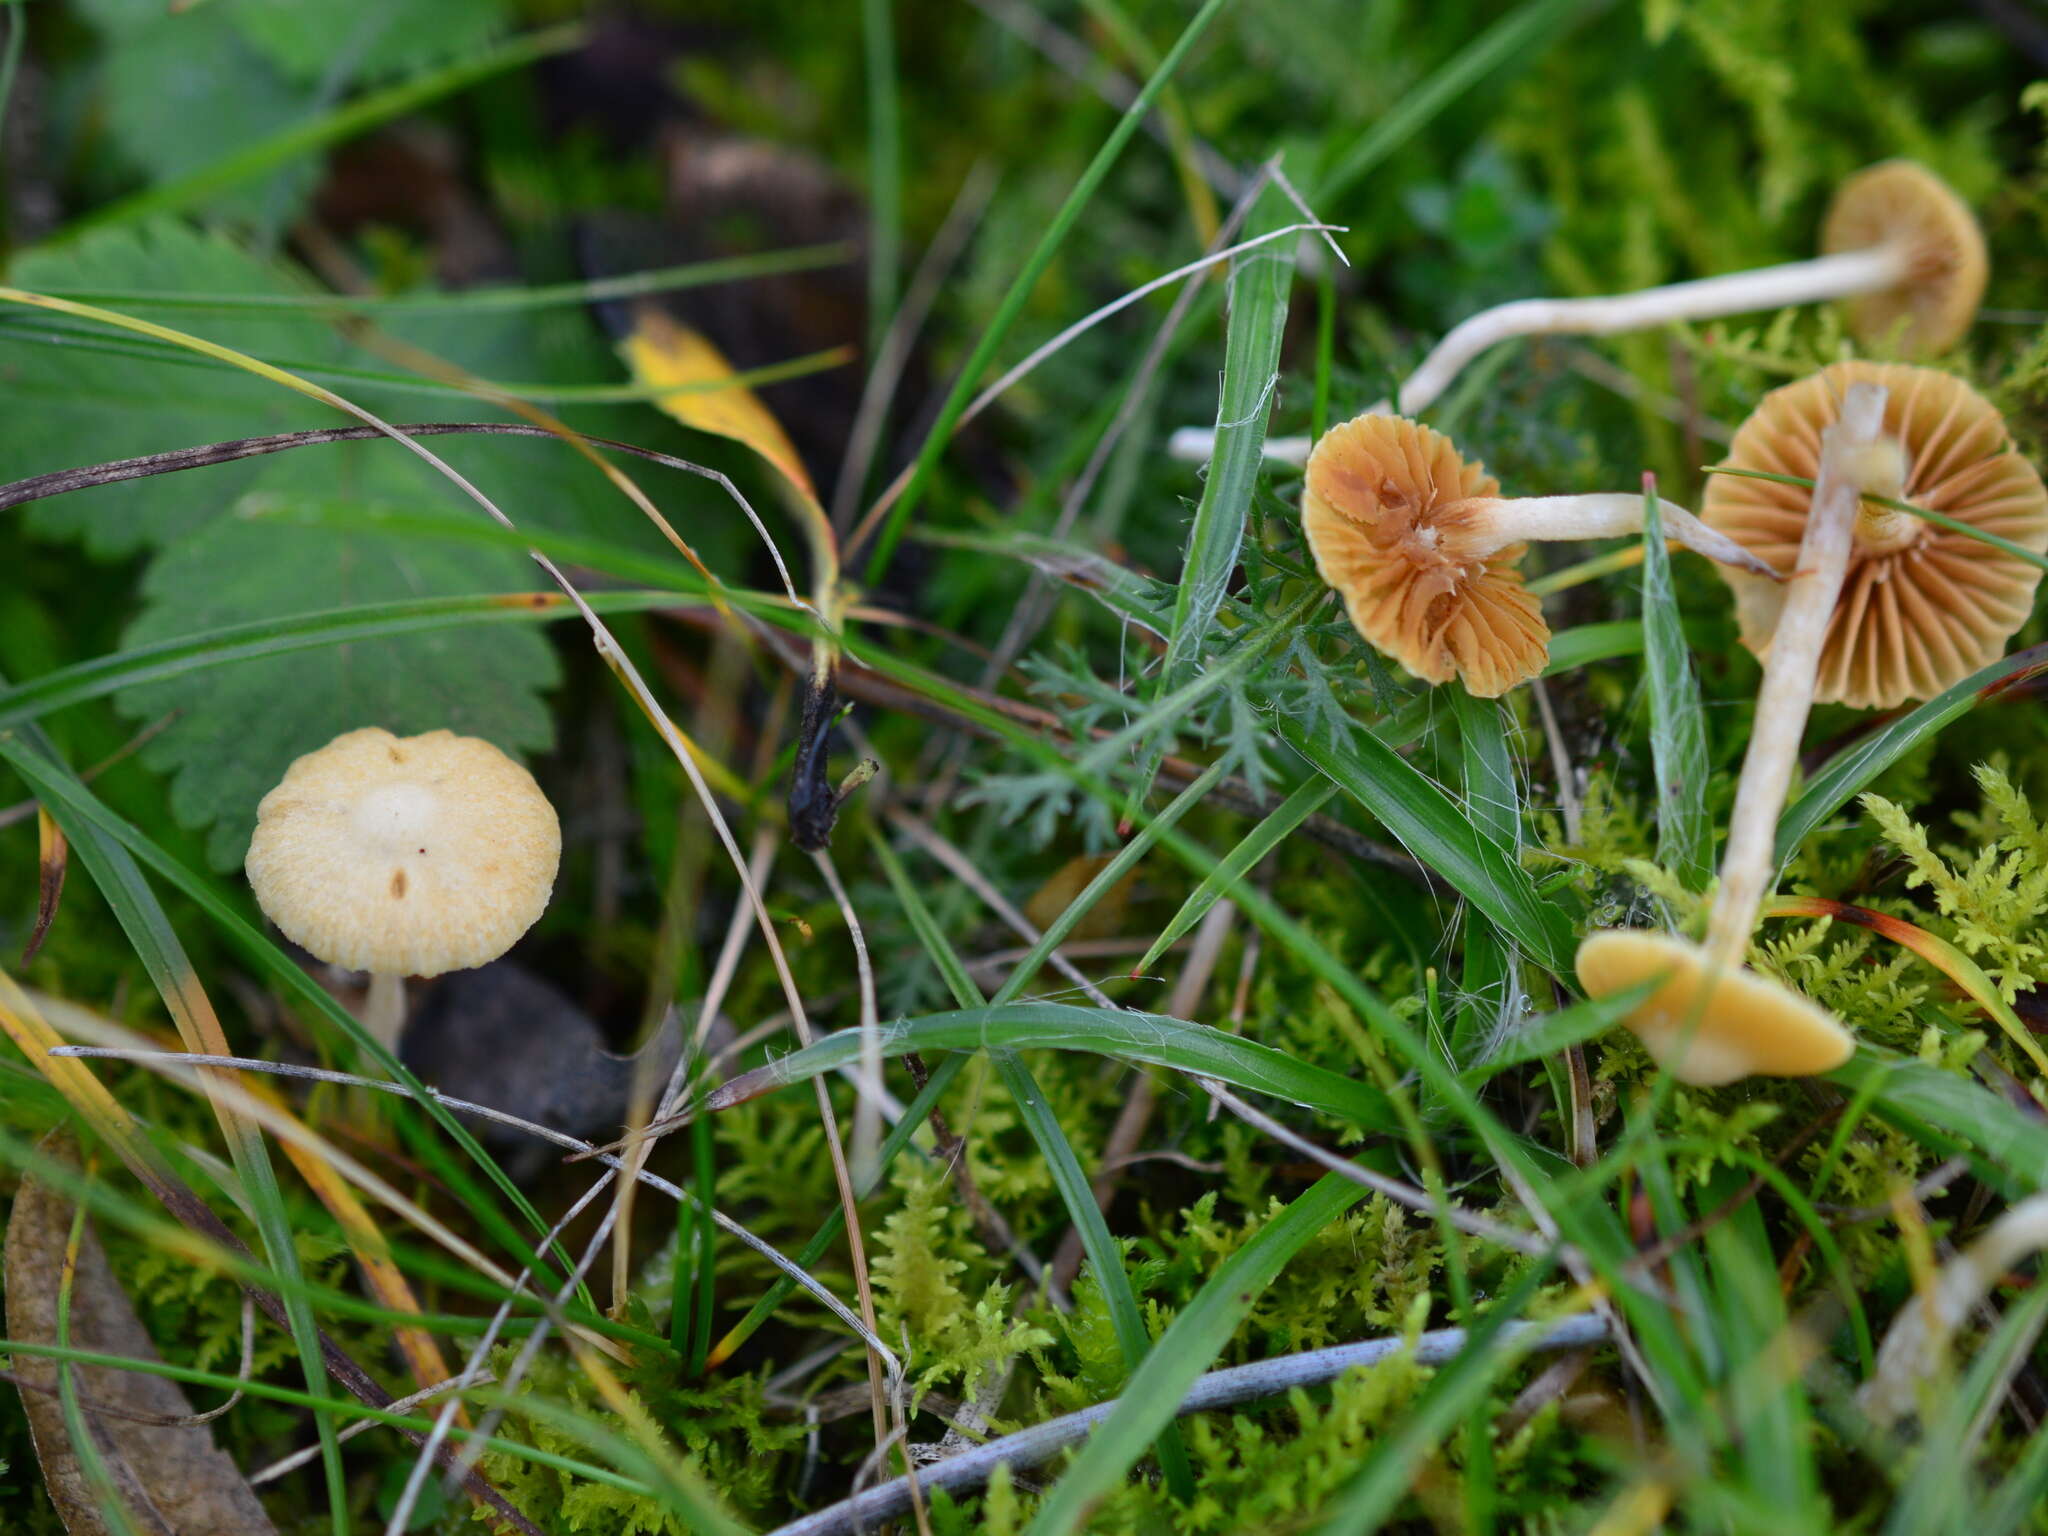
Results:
x,y
170,1476
663,353
50,867
1103,920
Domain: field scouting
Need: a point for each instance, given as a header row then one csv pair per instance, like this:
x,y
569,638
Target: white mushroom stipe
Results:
x,y
1919,1335
1706,1020
1607,515
1897,243
1852,459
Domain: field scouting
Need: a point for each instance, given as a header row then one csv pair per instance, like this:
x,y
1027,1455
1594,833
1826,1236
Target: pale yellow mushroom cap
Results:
x,y
1747,1025
1900,202
405,855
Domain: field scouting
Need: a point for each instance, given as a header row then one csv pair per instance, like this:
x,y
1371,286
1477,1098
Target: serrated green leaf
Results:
x,y
237,730
66,407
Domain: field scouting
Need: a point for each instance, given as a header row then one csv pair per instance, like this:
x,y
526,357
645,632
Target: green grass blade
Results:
x,y
970,375
1951,1114
1073,1186
345,122
1259,281
1187,1349
1262,840
1436,830
232,643
1849,771
473,301
1678,725
1588,643
1493,801
1518,37
1148,1037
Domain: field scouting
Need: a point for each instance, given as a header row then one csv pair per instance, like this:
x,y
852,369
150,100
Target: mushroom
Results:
x,y
1424,549
404,856
1897,244
1923,607
1706,1019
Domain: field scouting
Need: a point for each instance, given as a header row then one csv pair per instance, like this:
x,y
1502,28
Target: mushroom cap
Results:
x,y
1902,202
1913,619
1747,1025
405,855
1389,507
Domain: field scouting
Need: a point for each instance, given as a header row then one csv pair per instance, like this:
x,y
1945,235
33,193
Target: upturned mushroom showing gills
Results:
x,y
1707,1021
404,856
1424,549
1897,244
1922,606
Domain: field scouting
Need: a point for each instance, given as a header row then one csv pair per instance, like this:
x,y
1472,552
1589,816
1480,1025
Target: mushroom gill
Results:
x,y
1922,607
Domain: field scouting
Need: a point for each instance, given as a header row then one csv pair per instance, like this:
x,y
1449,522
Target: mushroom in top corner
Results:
x,y
1424,549
404,856
1898,246
1706,1020
1922,607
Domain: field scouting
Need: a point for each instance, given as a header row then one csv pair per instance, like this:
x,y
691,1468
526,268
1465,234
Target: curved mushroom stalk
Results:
x,y
1704,998
1898,245
1609,515
1424,549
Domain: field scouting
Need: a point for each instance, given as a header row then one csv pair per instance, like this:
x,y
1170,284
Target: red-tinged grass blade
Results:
x,y
53,856
1935,950
1851,770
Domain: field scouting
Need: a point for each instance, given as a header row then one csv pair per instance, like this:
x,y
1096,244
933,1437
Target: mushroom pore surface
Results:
x,y
406,856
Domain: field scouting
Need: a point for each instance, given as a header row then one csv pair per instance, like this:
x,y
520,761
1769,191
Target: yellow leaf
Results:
x,y
663,353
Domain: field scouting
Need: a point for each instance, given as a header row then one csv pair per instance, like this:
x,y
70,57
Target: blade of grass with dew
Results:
x,y
57,786
1517,38
1851,770
1433,828
1188,1348
344,122
1195,1049
1262,840
1257,308
626,285
1102,1248
1493,802
1019,291
1678,726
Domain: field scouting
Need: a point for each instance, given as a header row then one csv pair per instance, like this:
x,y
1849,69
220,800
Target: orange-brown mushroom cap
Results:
x,y
1705,1030
1900,202
1924,614
1389,507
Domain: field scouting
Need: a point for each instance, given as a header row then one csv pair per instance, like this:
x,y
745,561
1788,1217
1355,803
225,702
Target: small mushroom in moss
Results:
x,y
1898,245
1425,549
404,856
1683,1021
1922,606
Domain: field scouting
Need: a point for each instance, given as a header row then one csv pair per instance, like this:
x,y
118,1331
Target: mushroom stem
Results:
x,y
1840,276
384,1009
1604,515
1847,467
